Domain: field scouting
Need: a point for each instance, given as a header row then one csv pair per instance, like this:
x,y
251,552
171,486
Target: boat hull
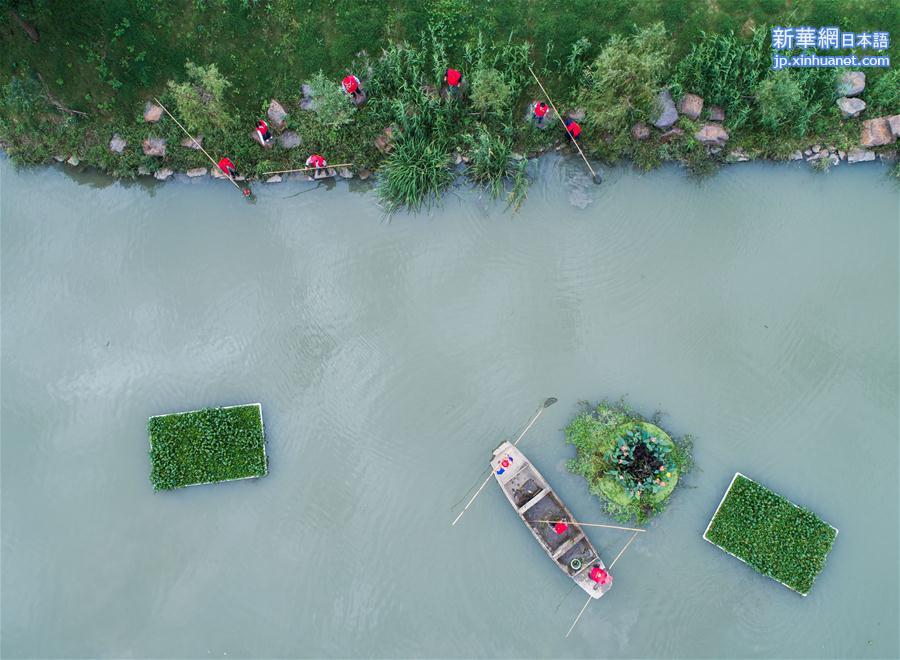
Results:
x,y
535,502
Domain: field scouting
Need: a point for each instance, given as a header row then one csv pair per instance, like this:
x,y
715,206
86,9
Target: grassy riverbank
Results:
x,y
96,64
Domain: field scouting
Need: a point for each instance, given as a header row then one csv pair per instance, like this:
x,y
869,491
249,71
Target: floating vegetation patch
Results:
x,y
207,446
629,462
771,534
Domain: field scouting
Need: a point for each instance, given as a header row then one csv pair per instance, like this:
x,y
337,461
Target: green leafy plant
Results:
x,y
416,171
333,106
771,534
641,462
199,100
883,94
207,446
490,92
620,86
725,71
634,482
492,166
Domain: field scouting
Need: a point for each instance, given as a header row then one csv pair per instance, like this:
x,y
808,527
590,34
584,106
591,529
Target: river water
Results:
x,y
758,309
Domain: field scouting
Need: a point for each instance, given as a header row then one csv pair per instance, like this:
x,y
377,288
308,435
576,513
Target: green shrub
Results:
x,y
625,490
883,94
620,86
771,534
199,101
333,106
489,91
725,71
416,171
207,446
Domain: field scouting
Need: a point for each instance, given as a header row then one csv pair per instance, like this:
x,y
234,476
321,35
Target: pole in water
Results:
x,y
581,524
547,403
579,615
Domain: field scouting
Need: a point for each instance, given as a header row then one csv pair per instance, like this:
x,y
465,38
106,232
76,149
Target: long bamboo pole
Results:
x,y
307,169
622,551
572,627
581,524
244,191
559,116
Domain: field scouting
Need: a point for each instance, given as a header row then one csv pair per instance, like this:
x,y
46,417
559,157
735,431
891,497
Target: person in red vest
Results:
x,y
453,78
560,527
573,128
318,162
539,110
351,85
599,575
262,130
228,167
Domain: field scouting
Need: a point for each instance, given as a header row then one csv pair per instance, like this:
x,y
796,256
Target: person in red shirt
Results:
x,y
318,162
453,78
262,130
228,167
573,128
599,575
539,111
351,85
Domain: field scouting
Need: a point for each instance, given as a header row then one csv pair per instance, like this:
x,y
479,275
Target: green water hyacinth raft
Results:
x,y
771,534
207,446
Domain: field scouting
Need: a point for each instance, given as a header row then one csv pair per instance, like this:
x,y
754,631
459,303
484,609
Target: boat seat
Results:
x,y
565,547
534,500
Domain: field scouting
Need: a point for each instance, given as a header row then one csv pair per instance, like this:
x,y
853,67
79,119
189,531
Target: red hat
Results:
x,y
560,527
598,575
453,77
350,83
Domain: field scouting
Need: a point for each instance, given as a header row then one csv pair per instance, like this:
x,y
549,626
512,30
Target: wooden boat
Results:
x,y
534,501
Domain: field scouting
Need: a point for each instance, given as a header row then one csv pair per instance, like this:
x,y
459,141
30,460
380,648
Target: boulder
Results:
x,y
345,173
738,156
143,170
364,174
216,173
850,106
876,132
162,174
712,135
73,161
117,144
276,114
857,155
275,178
716,113
385,142
666,112
190,144
671,134
59,159
152,112
851,83
894,123
289,140
154,147
691,105
307,102
196,171
797,155
577,114
640,131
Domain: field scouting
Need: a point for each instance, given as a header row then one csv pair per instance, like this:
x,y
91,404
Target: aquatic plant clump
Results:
x,y
630,463
771,534
207,446
641,462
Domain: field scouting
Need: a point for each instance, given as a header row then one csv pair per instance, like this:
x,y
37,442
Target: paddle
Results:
x,y
581,524
547,403
621,552
596,176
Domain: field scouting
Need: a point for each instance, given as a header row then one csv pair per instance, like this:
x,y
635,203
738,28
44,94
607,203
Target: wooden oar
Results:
x,y
307,169
549,402
621,552
581,524
597,179
244,191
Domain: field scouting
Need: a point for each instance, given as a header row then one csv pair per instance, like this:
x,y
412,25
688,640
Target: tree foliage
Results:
x,y
200,100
